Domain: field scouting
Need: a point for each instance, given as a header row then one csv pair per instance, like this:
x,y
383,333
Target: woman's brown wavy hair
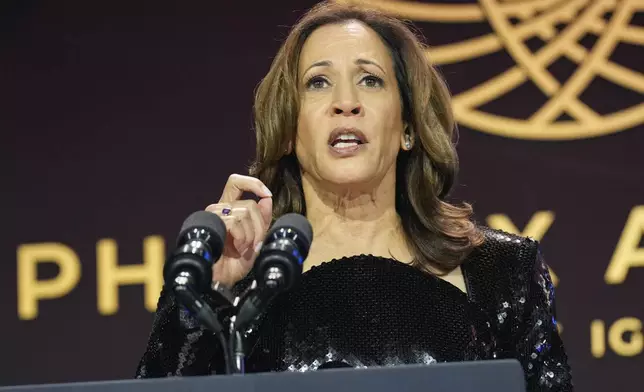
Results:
x,y
440,234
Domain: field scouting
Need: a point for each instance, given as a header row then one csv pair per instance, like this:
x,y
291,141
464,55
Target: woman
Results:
x,y
354,131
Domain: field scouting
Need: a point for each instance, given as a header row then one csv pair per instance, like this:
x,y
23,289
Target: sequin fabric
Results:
x,y
363,311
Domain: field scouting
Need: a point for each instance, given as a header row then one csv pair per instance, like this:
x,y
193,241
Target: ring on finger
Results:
x,y
226,211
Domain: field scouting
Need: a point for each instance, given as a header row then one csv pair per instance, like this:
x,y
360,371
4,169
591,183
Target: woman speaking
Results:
x,y
354,131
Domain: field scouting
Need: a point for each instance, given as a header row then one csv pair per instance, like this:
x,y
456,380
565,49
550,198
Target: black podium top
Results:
x,y
476,376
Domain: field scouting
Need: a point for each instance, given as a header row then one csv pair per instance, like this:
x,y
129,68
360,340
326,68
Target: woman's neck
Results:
x,y
349,220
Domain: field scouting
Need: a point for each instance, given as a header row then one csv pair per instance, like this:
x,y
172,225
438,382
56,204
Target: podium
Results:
x,y
477,376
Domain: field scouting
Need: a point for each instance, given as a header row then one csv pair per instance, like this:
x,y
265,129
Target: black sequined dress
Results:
x,y
370,311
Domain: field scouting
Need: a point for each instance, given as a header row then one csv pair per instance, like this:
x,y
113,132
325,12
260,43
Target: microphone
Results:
x,y
278,265
188,270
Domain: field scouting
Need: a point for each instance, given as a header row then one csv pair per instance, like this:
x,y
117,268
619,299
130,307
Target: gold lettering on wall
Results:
x,y
597,341
624,337
30,289
110,275
628,253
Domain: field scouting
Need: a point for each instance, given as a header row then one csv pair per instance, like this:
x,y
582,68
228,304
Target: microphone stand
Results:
x,y
235,344
233,347
274,279
236,347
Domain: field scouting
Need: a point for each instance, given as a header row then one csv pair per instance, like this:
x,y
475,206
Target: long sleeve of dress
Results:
x,y
538,344
177,345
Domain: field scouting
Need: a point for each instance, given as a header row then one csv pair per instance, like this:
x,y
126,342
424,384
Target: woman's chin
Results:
x,y
349,177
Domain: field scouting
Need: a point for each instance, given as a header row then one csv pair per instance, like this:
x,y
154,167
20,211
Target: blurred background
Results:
x,y
120,118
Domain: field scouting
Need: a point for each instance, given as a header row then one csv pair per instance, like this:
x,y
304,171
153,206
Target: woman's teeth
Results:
x,y
346,140
346,144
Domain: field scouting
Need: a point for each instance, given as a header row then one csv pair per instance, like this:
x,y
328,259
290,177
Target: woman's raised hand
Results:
x,y
247,222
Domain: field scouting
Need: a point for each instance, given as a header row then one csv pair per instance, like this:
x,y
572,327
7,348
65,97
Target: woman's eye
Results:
x,y
316,82
372,81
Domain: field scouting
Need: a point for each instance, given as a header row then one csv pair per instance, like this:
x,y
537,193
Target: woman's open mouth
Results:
x,y
346,141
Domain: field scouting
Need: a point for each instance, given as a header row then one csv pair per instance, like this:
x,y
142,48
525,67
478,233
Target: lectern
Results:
x,y
476,376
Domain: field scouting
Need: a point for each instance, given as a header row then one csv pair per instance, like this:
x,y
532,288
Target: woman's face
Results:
x,y
350,124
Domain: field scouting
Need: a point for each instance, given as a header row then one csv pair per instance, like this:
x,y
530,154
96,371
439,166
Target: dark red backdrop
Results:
x,y
109,107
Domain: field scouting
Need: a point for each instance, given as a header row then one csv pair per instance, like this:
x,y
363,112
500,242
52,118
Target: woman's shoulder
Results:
x,y
505,249
502,264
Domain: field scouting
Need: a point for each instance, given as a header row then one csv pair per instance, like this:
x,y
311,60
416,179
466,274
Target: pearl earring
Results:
x,y
408,142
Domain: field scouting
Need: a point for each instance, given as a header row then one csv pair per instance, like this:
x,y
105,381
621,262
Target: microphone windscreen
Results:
x,y
205,220
297,222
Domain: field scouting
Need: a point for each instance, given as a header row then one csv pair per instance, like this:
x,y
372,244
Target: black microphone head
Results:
x,y
298,223
199,245
286,247
204,220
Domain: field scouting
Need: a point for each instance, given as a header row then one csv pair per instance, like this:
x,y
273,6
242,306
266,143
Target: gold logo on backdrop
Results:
x,y
564,115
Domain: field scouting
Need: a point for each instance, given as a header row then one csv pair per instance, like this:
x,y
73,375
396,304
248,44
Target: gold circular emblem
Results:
x,y
565,113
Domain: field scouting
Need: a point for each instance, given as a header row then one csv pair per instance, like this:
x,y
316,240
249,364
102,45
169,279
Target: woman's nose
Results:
x,y
347,108
346,102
